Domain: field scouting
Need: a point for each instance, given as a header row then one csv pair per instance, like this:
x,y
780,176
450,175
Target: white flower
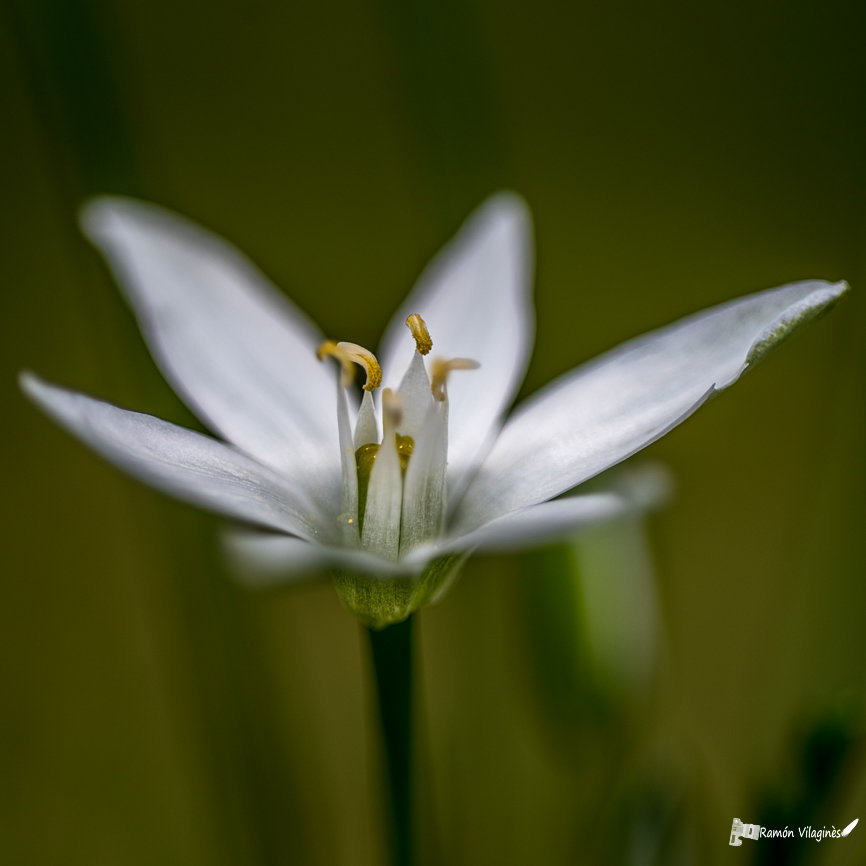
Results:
x,y
435,476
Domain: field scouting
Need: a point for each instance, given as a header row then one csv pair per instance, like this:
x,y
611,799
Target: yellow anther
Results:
x,y
326,349
441,369
351,353
418,327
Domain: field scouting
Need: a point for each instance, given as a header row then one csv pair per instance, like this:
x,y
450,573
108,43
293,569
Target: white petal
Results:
x,y
177,461
268,558
236,350
475,297
535,525
348,517
603,412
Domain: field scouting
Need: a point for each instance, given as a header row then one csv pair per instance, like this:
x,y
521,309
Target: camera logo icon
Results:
x,y
740,831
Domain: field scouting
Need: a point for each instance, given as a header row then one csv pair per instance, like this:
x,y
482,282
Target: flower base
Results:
x,y
379,602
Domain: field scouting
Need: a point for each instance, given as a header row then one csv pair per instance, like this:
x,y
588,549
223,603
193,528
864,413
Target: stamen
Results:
x,y
392,410
418,327
392,416
365,457
441,369
351,353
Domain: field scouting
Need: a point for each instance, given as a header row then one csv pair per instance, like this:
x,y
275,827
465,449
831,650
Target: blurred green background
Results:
x,y
674,156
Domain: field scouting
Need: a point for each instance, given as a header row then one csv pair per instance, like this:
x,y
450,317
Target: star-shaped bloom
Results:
x,y
391,492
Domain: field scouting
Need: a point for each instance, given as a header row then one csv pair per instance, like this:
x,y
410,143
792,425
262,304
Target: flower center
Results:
x,y
394,486
365,456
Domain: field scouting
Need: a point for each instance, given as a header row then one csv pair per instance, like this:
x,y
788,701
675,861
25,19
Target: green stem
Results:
x,y
392,662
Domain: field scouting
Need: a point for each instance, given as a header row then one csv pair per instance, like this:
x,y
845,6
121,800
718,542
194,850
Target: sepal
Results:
x,y
379,602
